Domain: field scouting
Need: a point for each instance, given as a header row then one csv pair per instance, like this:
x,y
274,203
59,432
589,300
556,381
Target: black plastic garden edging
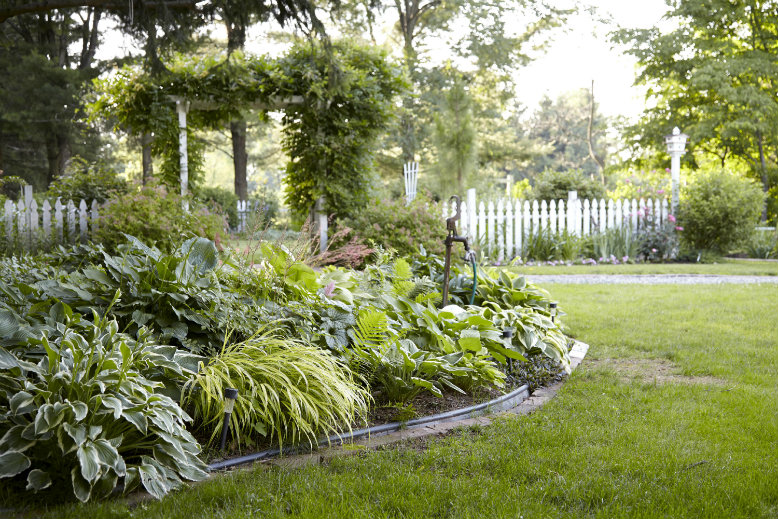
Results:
x,y
501,403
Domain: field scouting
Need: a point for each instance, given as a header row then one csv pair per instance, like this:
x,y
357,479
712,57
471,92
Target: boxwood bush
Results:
x,y
718,211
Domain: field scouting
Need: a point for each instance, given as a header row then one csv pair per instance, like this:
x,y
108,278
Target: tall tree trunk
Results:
x,y
239,157
763,172
148,165
52,156
64,151
590,138
236,23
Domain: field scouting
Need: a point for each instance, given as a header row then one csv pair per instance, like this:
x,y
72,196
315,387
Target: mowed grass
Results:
x,y
730,267
607,446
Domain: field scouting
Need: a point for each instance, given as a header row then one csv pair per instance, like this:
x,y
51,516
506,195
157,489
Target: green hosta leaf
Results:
x,y
80,410
152,480
38,480
178,330
76,432
108,455
89,460
81,487
93,431
201,252
114,404
477,320
7,360
97,275
141,318
470,340
13,440
13,463
426,384
22,402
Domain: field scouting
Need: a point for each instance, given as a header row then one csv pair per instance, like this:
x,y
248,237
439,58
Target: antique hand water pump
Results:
x,y
451,238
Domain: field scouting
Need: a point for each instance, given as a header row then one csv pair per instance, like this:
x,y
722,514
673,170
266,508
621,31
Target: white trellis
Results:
x,y
411,175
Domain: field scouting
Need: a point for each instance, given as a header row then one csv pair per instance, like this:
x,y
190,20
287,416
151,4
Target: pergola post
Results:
x,y
182,107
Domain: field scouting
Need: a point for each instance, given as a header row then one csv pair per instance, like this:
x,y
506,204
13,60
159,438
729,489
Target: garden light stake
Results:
x,y
230,395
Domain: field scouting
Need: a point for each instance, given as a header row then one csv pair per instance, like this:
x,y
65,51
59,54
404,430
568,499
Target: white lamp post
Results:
x,y
676,146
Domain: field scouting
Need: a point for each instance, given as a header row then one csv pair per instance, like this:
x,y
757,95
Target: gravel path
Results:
x,y
650,279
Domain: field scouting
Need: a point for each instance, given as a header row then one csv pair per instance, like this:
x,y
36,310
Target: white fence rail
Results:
x,y
502,227
28,225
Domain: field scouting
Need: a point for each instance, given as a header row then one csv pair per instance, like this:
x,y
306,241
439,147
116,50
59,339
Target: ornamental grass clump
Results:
x,y
288,391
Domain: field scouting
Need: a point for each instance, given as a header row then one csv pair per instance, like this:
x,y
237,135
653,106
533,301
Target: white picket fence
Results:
x,y
501,227
28,226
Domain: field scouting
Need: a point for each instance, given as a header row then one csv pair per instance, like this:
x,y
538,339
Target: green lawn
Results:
x,y
725,267
696,438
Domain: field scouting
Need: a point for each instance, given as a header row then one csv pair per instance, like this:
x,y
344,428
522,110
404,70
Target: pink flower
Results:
x,y
660,191
329,289
671,218
625,259
653,250
667,170
678,228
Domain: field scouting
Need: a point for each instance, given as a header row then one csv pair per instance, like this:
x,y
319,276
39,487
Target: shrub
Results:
x,y
221,201
763,245
84,181
545,245
618,242
640,184
154,216
393,225
718,211
554,185
89,412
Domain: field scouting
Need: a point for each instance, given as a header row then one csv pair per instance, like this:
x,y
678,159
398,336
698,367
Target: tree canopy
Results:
x,y
716,77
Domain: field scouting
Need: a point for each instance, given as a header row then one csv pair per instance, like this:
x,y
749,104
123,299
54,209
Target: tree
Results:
x,y
716,77
497,40
455,136
563,127
238,16
46,60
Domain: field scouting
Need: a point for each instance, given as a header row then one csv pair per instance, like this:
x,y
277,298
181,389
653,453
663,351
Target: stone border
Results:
x,y
437,427
434,428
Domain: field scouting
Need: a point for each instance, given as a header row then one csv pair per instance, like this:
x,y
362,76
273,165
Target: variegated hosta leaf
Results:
x,y
13,463
38,479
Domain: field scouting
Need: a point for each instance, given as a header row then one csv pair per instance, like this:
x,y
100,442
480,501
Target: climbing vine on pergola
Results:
x,y
335,103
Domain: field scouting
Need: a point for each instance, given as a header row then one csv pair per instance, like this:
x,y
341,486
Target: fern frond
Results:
x,y
372,328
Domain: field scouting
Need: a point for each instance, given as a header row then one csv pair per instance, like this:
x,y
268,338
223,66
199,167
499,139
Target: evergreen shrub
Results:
x,y
718,211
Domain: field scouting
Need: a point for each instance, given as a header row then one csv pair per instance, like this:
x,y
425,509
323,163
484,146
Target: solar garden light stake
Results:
x,y
552,310
230,395
507,333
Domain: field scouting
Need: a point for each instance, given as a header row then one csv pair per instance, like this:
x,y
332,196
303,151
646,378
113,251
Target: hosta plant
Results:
x,y
88,415
287,390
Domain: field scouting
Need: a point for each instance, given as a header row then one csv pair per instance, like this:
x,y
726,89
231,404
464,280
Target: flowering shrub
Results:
x,y
154,216
393,225
657,240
